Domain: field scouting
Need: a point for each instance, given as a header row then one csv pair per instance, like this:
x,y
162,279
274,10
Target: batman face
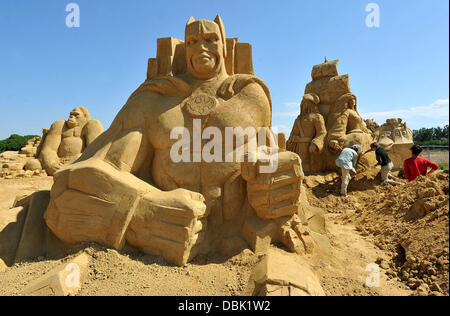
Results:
x,y
204,49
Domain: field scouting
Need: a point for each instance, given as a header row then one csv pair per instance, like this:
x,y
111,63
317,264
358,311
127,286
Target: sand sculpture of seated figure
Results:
x,y
346,126
125,188
308,134
66,140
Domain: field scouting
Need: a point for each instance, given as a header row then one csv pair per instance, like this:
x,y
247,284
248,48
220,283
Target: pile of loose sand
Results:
x,y
409,222
412,223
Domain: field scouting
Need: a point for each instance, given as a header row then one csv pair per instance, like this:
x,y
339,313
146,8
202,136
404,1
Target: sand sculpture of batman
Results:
x,y
126,188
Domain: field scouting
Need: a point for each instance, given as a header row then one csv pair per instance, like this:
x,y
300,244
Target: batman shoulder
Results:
x,y
234,84
166,85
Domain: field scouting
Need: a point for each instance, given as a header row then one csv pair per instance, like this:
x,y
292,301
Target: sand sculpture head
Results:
x,y
205,48
394,132
78,117
347,102
401,134
310,103
342,104
372,125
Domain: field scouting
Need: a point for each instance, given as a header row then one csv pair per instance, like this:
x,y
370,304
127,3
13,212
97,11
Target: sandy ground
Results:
x,y
409,224
341,272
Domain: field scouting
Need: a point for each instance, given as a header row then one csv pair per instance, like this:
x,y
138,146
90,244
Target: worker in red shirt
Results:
x,y
417,166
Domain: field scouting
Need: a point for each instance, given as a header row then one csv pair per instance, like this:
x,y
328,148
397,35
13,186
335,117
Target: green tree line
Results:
x,y
14,142
432,136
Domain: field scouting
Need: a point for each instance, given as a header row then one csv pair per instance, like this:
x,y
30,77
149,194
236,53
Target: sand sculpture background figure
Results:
x,y
31,148
373,128
308,134
34,151
345,125
397,139
126,189
23,164
338,106
66,140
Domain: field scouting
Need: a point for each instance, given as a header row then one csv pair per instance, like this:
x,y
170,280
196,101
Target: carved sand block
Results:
x,y
278,274
64,280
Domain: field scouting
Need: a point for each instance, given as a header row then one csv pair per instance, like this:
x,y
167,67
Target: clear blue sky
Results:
x,y
46,69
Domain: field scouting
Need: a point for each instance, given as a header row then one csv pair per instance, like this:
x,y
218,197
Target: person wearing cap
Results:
x,y
417,166
385,162
347,161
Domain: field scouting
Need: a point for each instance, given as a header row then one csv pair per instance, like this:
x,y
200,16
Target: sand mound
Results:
x,y
412,222
324,189
409,222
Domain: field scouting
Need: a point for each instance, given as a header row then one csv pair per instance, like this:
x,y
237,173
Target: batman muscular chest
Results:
x,y
162,125
164,118
196,123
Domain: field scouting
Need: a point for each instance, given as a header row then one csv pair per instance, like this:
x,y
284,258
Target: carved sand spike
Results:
x,y
219,22
191,20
